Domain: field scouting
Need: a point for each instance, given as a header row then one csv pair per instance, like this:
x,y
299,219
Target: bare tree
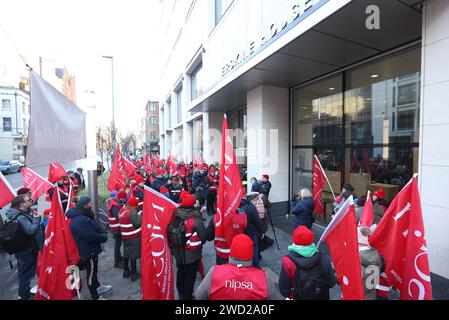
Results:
x,y
105,146
128,143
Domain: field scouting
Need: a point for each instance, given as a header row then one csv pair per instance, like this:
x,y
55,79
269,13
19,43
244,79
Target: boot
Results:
x,y
118,264
126,274
135,276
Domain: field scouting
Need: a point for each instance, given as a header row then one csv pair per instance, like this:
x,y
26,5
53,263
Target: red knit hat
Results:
x,y
266,176
380,194
159,172
303,236
121,195
138,178
133,202
164,189
242,247
188,200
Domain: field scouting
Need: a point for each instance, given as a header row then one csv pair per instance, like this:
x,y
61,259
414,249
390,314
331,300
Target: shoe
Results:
x,y
101,298
118,265
135,276
33,290
104,288
126,274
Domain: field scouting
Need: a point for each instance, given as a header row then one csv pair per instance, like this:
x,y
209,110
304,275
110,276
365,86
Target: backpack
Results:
x,y
310,284
176,232
12,237
258,203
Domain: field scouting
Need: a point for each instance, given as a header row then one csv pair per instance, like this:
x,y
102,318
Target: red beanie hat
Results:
x,y
266,176
242,247
133,202
138,178
164,189
121,195
380,194
159,172
188,200
303,236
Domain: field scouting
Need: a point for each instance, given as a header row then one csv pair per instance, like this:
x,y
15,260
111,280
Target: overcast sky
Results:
x,y
77,33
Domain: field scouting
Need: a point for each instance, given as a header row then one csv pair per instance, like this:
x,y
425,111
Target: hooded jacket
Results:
x,y
290,264
254,226
303,212
87,233
31,226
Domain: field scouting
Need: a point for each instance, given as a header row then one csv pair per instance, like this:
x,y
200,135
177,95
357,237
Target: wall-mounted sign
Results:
x,y
298,9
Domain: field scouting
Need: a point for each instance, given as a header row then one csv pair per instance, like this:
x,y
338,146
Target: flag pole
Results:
x,y
328,182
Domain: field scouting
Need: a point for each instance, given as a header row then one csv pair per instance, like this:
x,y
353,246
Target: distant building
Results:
x,y
68,88
152,127
14,121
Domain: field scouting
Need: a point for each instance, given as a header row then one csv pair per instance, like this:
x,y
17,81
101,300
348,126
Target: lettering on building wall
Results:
x,y
297,9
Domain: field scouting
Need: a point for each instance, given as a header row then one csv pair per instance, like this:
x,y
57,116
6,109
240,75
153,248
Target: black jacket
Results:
x,y
303,212
87,233
254,226
285,282
265,188
81,183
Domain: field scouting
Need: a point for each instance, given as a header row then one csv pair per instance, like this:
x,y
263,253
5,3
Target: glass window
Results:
x,y
6,104
196,82
220,8
317,113
153,136
152,107
179,104
197,138
7,125
153,120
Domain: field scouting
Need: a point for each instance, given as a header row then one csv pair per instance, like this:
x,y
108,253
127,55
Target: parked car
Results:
x,y
8,167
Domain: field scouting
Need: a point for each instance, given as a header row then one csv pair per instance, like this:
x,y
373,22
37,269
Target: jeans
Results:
x,y
117,245
256,257
91,267
185,279
26,265
127,262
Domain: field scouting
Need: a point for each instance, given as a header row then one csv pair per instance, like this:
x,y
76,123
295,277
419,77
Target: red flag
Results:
x,y
400,239
367,218
58,257
117,176
56,172
7,193
319,180
37,184
171,163
129,167
229,192
342,241
157,269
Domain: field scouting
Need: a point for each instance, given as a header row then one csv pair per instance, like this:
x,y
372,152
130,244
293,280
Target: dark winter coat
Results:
x,y
255,187
132,247
182,255
265,188
87,233
254,226
30,226
157,184
303,212
285,281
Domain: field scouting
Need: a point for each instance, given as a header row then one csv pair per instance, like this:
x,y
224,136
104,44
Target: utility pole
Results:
x,y
114,142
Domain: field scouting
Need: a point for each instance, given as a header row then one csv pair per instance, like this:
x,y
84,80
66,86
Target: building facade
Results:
x,y
14,121
361,84
152,127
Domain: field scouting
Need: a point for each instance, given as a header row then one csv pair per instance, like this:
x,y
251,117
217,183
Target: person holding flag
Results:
x,y
30,223
88,235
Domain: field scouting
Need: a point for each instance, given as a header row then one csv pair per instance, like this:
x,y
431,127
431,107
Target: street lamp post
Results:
x,y
113,112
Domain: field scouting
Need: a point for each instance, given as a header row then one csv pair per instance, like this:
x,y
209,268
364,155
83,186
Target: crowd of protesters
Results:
x,y
306,272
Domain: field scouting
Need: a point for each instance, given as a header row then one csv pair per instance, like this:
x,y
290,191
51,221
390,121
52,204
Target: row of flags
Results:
x,y
399,238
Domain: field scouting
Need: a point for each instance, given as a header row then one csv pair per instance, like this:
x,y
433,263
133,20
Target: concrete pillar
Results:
x,y
434,125
212,125
267,138
187,141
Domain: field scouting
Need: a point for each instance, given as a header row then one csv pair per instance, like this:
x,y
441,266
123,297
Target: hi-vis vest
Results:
x,y
230,282
126,228
114,225
222,248
175,191
193,240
